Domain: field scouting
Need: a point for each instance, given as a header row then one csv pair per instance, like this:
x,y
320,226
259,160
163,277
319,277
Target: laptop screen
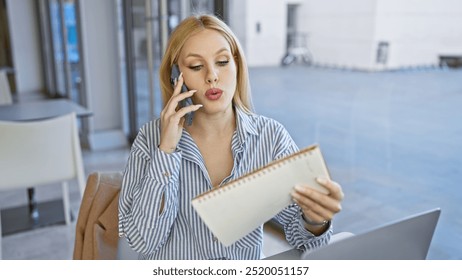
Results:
x,y
406,239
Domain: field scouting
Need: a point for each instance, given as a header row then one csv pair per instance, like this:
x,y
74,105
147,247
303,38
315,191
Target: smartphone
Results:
x,y
186,102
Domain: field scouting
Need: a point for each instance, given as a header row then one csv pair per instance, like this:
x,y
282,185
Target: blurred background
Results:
x,y
377,83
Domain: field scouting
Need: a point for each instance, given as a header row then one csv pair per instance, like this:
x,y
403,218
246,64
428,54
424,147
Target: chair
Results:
x,y
96,232
97,228
41,152
5,91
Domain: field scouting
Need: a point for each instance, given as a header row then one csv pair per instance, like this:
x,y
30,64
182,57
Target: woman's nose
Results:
x,y
212,77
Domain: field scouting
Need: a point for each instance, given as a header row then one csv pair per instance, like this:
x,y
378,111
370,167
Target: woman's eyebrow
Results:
x,y
222,50
218,52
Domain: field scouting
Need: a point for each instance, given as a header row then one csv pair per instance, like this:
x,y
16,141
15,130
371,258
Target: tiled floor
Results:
x,y
392,139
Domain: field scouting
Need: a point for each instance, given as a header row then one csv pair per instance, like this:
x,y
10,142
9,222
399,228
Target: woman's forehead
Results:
x,y
205,42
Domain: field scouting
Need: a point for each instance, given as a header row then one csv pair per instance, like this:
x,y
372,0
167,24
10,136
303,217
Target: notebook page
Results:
x,y
239,207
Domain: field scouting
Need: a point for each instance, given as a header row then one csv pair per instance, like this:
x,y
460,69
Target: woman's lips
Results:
x,y
213,93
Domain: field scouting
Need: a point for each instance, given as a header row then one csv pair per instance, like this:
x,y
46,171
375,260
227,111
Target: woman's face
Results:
x,y
208,66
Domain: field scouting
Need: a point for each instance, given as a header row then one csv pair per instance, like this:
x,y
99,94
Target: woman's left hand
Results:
x,y
316,206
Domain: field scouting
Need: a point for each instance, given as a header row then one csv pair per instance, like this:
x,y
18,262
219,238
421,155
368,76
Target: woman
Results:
x,y
171,162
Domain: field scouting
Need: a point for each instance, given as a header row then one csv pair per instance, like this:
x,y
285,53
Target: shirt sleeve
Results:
x,y
150,176
290,218
296,233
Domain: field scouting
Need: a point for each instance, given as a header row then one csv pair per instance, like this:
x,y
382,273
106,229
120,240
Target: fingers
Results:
x,y
172,126
188,109
173,118
332,187
318,206
313,210
178,85
176,117
177,96
170,109
172,104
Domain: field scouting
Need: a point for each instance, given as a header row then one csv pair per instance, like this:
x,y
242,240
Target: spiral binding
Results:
x,y
259,172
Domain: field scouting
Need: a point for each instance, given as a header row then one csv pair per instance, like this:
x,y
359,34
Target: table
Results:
x,y
35,214
39,110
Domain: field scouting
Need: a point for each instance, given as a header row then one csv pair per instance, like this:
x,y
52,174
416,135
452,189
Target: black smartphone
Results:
x,y
186,102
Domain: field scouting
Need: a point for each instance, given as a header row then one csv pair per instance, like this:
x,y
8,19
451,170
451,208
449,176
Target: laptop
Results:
x,y
406,239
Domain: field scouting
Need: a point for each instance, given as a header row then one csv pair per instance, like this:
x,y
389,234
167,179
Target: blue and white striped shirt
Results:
x,y
178,232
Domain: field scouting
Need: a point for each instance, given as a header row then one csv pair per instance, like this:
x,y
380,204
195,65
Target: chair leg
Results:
x,y
66,203
33,210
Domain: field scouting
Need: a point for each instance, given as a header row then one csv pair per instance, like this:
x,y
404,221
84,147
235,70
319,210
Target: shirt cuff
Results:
x,y
165,168
308,234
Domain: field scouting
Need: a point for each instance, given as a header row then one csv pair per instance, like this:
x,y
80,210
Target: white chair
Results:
x,y
5,91
41,152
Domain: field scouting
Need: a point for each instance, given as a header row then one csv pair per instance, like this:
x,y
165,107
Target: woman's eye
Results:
x,y
195,67
223,62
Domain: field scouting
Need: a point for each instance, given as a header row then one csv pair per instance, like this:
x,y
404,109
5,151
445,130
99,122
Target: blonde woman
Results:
x,y
171,161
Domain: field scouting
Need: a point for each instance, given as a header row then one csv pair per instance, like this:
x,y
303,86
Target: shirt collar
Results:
x,y
245,124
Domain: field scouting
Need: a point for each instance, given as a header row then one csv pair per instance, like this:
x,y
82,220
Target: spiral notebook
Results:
x,y
240,206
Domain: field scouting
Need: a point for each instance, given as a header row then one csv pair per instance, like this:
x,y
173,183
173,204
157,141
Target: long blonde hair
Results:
x,y
190,26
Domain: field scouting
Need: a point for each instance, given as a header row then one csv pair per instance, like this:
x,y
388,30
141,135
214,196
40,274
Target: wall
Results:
x,y
25,45
267,46
418,31
102,86
237,21
346,33
340,32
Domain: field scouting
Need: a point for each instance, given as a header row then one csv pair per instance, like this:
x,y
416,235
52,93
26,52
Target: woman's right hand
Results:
x,y
172,120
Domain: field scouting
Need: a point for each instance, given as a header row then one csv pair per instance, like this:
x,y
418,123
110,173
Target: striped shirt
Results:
x,y
178,232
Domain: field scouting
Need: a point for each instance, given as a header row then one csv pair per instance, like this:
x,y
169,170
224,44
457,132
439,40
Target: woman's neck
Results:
x,y
213,125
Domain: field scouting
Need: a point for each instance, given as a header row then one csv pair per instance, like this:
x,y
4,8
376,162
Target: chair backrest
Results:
x,y
96,230
40,152
5,91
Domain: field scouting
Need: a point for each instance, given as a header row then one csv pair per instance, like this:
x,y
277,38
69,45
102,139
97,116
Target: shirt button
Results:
x,y
166,174
215,239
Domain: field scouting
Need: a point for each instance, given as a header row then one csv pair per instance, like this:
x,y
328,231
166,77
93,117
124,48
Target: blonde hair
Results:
x,y
187,28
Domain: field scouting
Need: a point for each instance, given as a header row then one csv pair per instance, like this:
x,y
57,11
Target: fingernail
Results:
x,y
181,75
298,188
321,180
199,105
294,196
193,91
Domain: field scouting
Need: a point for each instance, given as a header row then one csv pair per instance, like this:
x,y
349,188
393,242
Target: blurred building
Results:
x,y
358,34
